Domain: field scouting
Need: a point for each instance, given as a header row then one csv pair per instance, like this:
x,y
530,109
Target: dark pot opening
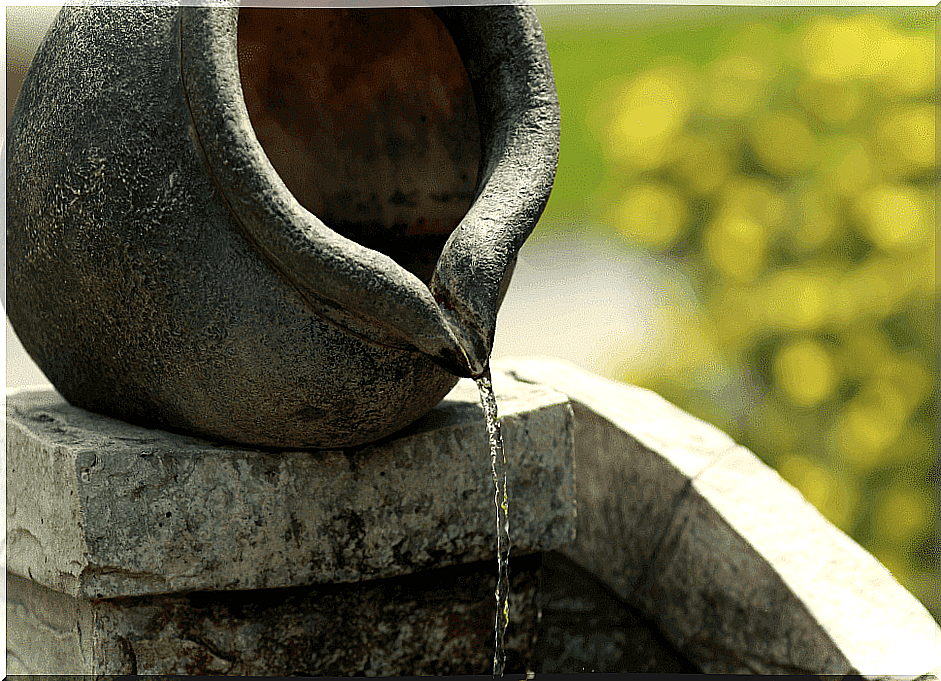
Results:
x,y
368,117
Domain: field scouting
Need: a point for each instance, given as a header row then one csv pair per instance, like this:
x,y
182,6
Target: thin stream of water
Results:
x,y
498,467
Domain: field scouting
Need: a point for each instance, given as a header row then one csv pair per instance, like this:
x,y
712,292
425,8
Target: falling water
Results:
x,y
498,468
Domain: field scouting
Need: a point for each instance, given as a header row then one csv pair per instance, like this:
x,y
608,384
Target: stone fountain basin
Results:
x,y
139,551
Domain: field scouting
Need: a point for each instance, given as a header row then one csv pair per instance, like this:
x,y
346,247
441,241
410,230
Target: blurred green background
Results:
x,y
778,166
781,163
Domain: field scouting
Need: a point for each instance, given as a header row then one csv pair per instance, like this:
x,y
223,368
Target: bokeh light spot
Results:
x,y
871,423
899,514
755,200
847,167
907,135
805,372
912,72
782,142
833,49
830,494
650,112
735,85
818,217
894,217
799,300
702,163
833,102
653,214
736,246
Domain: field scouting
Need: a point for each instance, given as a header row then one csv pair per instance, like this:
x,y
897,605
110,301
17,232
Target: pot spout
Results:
x,y
505,55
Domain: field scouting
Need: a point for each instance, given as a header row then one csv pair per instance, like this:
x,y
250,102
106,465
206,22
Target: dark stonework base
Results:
x,y
434,623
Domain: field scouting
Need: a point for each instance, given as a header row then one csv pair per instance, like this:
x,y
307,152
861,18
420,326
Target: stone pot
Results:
x,y
277,227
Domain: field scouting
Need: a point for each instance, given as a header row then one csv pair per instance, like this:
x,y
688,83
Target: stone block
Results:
x,y
737,569
438,622
99,508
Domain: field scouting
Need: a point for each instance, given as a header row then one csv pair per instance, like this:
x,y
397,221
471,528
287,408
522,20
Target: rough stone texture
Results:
x,y
739,571
561,620
100,508
434,623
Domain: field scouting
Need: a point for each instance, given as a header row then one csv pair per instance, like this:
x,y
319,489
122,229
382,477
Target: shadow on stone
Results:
x,y
585,627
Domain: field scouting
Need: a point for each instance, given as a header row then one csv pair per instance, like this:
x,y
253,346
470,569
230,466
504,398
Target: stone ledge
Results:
x,y
99,508
738,570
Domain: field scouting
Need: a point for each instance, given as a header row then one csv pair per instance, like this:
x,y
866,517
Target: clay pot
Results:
x,y
286,228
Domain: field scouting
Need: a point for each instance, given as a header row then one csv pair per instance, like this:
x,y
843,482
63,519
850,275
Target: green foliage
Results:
x,y
784,162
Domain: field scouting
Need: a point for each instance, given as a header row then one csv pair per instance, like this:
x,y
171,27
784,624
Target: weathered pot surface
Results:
x,y
287,228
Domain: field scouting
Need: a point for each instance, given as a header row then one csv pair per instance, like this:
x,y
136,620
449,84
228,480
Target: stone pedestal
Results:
x,y
139,551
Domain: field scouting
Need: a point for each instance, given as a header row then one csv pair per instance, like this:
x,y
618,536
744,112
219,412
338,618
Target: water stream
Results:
x,y
498,468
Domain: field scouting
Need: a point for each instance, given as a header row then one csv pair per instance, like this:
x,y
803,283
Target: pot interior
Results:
x,y
368,117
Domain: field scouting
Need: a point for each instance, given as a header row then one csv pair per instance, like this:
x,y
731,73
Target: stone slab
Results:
x,y
100,508
739,571
439,622
749,556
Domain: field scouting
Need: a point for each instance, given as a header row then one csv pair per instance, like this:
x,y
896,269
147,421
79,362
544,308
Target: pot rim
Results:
x,y
453,319
357,288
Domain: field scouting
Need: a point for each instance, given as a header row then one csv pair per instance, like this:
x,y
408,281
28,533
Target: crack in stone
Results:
x,y
129,653
681,497
93,573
